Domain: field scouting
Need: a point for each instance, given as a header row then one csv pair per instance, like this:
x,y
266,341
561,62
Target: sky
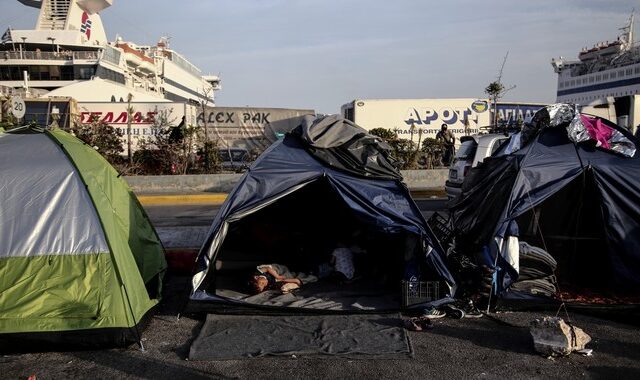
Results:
x,y
320,54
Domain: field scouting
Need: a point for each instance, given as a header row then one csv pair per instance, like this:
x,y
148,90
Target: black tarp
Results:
x,y
583,199
343,145
306,189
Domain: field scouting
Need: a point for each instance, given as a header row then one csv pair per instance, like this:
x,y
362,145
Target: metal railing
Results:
x,y
50,55
63,119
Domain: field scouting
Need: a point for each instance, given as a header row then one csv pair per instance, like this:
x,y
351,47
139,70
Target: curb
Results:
x,y
428,193
182,199
219,198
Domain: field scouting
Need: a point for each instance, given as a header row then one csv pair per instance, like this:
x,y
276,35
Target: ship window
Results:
x,y
613,75
605,76
621,73
573,82
85,72
111,75
4,73
35,73
54,72
598,78
636,70
628,72
44,73
592,79
112,55
66,72
16,72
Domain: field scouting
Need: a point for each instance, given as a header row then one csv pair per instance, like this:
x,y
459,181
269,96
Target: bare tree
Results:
x,y
129,116
496,90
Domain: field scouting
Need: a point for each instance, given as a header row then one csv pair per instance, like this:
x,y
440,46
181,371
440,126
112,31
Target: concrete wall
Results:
x,y
425,179
212,183
223,183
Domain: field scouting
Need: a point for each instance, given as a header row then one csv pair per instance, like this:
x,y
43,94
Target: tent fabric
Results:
x,y
81,279
288,166
78,227
124,221
508,186
343,145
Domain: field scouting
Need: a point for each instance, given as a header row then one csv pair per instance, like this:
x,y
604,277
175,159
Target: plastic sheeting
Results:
x,y
550,116
585,128
512,146
343,145
46,209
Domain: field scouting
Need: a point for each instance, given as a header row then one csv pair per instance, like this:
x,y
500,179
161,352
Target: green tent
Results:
x,y
78,255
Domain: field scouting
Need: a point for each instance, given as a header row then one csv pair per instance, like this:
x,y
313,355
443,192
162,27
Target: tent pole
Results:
x,y
494,278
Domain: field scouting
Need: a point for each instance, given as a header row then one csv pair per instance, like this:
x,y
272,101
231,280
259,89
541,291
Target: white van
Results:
x,y
473,150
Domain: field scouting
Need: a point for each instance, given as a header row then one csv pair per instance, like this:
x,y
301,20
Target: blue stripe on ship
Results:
x,y
601,86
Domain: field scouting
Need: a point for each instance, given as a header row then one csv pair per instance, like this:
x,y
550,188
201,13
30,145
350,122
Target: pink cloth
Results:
x,y
598,130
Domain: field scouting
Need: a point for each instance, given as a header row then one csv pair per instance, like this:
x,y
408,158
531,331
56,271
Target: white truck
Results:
x,y
417,119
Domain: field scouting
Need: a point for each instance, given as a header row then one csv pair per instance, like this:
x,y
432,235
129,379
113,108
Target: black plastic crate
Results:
x,y
416,292
441,228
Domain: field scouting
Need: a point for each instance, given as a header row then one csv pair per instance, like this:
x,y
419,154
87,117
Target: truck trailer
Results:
x,y
417,119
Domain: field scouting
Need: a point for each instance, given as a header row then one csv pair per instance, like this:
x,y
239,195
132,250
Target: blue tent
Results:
x,y
563,192
326,181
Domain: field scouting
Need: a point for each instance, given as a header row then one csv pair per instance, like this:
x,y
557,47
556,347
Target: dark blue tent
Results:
x,y
578,201
327,181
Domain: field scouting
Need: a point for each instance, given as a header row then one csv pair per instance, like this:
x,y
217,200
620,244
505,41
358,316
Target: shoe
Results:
x,y
453,312
425,323
412,324
433,314
475,313
418,324
471,311
289,287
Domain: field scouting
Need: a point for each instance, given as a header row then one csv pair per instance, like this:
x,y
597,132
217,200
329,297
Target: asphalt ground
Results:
x,y
498,346
495,347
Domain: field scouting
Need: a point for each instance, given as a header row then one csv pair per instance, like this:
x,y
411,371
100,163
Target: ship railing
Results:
x,y
50,55
6,91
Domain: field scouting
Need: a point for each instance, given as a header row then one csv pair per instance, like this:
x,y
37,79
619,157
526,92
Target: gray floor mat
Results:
x,y
379,336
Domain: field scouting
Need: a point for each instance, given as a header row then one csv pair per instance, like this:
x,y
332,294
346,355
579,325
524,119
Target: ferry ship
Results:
x,y
68,55
605,80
